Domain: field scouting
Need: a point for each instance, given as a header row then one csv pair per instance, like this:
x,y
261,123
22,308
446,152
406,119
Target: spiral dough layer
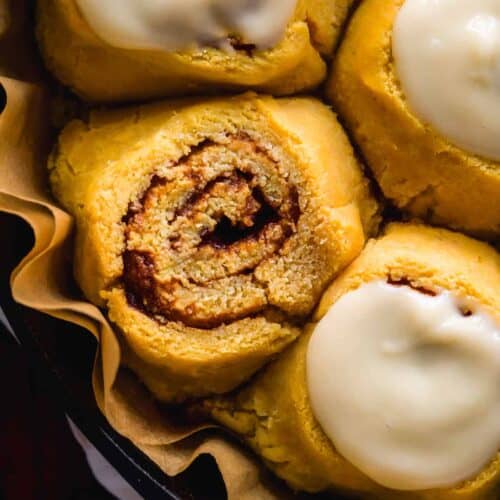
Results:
x,y
180,263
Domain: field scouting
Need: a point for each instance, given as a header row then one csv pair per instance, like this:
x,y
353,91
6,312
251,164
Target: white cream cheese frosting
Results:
x,y
407,386
179,24
447,58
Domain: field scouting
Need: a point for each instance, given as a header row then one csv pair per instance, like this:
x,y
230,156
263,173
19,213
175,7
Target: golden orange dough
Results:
x,y
418,169
99,72
272,414
210,228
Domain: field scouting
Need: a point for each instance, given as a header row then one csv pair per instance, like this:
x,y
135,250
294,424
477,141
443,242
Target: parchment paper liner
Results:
x,y
40,280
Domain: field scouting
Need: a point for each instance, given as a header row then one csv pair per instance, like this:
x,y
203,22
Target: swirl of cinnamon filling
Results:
x,y
200,242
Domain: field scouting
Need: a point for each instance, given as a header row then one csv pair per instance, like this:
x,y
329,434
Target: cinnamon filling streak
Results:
x,y
464,309
196,238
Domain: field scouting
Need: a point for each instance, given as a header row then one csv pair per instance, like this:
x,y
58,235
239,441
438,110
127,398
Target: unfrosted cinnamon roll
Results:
x,y
208,229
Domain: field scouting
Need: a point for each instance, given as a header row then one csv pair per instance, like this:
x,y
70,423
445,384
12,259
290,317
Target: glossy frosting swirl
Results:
x,y
447,57
179,24
406,384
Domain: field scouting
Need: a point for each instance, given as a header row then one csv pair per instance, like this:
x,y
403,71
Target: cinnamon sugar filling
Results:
x,y
465,310
197,235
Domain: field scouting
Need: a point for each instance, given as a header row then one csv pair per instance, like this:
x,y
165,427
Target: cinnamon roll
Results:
x,y
208,229
417,84
394,390
150,49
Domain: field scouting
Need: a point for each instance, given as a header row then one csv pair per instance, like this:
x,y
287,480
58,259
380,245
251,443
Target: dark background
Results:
x,y
39,458
48,376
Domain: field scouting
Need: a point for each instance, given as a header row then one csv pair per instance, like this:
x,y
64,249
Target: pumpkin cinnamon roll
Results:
x,y
209,229
394,390
151,49
417,84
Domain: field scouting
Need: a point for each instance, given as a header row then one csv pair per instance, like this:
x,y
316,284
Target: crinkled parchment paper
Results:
x,y
40,279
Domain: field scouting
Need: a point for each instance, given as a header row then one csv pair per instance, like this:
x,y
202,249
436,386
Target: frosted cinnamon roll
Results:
x,y
208,229
417,82
146,49
394,392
